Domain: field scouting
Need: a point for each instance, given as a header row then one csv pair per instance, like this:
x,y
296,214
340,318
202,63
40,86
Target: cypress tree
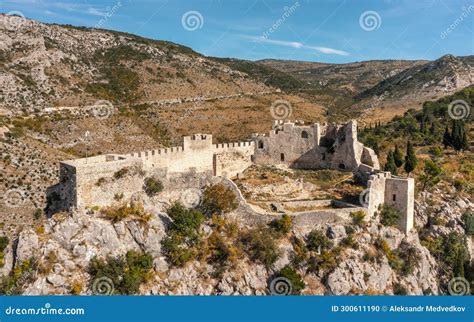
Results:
x,y
390,165
398,157
459,136
433,129
464,141
410,159
447,139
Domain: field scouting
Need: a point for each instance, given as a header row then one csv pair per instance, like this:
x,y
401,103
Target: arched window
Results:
x,y
260,144
304,135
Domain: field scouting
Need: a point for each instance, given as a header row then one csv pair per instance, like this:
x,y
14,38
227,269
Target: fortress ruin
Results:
x,y
296,145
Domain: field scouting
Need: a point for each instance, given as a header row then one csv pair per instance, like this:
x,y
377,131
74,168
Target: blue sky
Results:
x,y
335,31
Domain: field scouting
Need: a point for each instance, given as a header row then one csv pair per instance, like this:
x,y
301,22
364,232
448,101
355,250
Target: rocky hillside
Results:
x,y
144,247
47,65
341,79
417,84
384,88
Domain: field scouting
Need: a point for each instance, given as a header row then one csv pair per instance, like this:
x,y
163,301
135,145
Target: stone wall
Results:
x,y
91,182
198,154
94,181
383,188
313,147
83,187
400,192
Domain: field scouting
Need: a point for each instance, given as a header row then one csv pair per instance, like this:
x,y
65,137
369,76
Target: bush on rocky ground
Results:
x,y
3,245
389,215
282,226
183,235
22,274
152,186
260,245
116,214
295,279
218,199
127,272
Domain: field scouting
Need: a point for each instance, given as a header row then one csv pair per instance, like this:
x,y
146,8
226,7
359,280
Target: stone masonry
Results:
x,y
296,145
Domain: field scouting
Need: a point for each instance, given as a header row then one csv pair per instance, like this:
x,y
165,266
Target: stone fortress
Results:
x,y
296,145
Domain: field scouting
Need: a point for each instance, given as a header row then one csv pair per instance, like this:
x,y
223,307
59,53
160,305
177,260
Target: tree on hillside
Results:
x,y
431,175
447,137
390,165
410,159
398,157
459,136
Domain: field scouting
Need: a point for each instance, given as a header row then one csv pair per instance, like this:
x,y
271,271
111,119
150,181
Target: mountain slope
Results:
x,y
342,79
51,65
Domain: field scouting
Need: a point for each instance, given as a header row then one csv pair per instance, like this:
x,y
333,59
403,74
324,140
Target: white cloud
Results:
x,y
298,45
327,50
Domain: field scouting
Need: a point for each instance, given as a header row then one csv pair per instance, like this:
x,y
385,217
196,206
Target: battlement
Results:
x,y
298,145
242,144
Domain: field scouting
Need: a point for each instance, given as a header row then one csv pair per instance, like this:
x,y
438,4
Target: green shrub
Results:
x,y
181,244
389,215
410,257
38,213
297,283
152,186
358,218
186,222
316,241
116,214
459,184
176,250
399,289
260,246
222,253
218,199
23,274
101,181
326,261
3,245
468,219
120,173
126,272
300,254
349,241
282,226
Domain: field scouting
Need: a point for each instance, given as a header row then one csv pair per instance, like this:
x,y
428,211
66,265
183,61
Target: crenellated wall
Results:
x,y
81,178
96,181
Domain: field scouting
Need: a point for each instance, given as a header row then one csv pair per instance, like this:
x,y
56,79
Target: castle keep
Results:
x,y
297,145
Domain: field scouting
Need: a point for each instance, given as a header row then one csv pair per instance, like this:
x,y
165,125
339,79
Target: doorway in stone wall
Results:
x,y
282,156
214,165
